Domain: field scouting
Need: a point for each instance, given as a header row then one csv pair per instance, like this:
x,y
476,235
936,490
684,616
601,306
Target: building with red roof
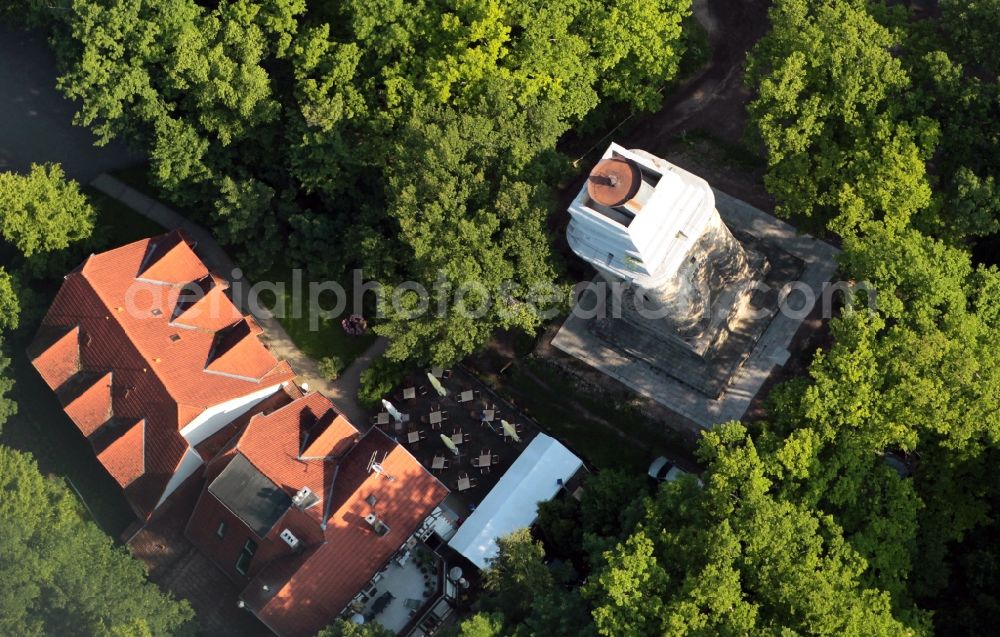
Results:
x,y
302,511
149,357
169,381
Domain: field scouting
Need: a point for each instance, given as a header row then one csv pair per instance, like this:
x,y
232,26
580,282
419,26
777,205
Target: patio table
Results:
x,y
409,393
457,437
435,417
413,436
485,459
465,396
464,483
382,418
488,415
438,462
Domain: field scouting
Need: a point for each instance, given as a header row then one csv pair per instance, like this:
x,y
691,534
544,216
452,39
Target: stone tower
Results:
x,y
652,228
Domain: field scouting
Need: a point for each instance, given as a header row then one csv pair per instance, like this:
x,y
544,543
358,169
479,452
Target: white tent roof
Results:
x,y
513,503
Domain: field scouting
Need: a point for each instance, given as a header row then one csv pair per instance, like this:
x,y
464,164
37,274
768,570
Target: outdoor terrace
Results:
x,y
466,409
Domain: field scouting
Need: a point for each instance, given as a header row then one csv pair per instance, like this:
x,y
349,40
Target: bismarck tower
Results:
x,y
652,228
691,281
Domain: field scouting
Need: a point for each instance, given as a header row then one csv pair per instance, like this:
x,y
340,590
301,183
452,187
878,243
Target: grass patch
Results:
x,y
697,48
329,338
138,177
722,151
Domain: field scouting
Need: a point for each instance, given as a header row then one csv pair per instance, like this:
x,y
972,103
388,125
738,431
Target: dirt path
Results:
x,y
715,99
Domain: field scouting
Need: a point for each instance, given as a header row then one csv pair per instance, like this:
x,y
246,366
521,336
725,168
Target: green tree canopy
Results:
x,y
344,628
43,212
62,575
410,138
736,558
826,112
10,306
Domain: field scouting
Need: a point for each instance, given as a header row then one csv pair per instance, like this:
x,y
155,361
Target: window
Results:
x,y
243,562
221,531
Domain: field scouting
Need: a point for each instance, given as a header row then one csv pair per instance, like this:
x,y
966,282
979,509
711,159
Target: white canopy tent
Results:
x,y
513,503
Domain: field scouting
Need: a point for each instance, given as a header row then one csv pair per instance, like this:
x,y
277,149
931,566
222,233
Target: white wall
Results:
x,y
188,465
215,418
207,423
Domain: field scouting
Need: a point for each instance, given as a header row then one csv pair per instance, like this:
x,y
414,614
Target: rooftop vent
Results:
x,y
290,538
619,188
613,181
378,525
304,499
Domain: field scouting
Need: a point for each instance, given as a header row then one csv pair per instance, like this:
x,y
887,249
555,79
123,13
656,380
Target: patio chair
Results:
x,y
496,459
446,374
475,461
483,470
473,482
422,390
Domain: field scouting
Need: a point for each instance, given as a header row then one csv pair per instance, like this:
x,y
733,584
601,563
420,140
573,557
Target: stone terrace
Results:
x,y
478,436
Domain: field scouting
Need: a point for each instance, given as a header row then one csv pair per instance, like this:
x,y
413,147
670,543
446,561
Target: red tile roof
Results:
x,y
105,319
275,442
56,353
87,400
236,351
117,448
203,303
170,259
308,590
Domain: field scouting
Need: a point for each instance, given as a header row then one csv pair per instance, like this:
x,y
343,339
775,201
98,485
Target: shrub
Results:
x,y
378,380
330,367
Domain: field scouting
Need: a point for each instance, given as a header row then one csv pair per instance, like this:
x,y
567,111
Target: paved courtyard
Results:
x,y
178,567
465,417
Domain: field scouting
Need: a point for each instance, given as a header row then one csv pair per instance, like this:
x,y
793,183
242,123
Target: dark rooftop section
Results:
x,y
250,495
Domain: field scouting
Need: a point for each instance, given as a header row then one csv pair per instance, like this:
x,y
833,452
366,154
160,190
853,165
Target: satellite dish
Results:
x,y
358,618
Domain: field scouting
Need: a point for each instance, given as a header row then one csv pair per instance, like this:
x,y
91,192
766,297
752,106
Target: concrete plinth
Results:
x,y
718,385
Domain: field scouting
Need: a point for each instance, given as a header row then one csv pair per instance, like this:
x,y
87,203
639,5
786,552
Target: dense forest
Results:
x,y
420,138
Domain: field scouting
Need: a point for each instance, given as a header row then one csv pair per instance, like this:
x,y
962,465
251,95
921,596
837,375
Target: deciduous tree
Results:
x,y
62,575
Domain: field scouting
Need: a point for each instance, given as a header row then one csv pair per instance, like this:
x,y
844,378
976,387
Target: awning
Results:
x,y
513,503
